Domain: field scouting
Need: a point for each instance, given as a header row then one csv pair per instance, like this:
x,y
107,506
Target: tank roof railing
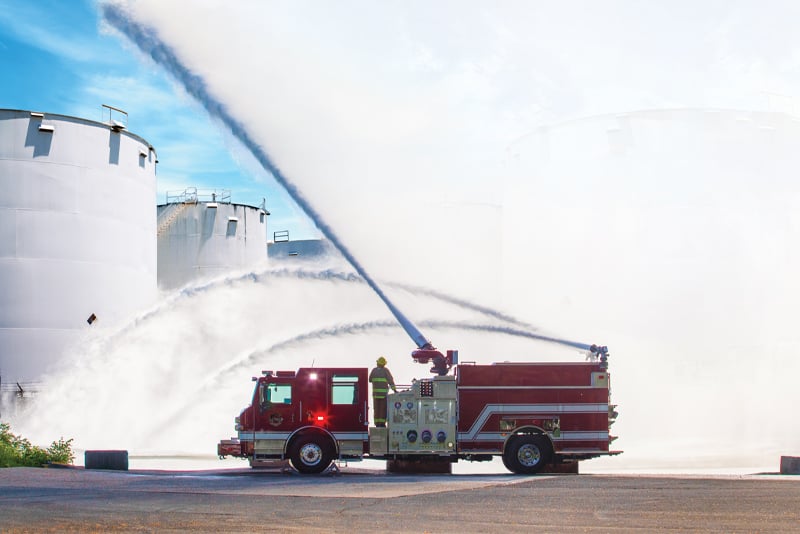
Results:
x,y
193,195
114,123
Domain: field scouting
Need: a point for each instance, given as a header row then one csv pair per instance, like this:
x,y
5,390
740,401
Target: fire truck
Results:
x,y
533,415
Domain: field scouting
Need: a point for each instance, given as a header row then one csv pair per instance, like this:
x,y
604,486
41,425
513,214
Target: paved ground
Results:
x,y
63,500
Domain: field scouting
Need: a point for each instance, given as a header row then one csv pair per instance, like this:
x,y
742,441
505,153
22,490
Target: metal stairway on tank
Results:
x,y
166,217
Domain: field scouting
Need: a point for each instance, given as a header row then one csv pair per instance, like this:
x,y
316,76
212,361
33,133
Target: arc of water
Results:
x,y
148,42
344,330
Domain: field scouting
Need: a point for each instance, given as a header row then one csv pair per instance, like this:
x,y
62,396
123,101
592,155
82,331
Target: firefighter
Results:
x,y
381,379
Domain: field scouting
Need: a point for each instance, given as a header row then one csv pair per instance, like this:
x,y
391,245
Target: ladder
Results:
x,y
166,217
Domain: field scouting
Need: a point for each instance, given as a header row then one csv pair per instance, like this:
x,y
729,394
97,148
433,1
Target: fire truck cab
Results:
x,y
310,416
530,414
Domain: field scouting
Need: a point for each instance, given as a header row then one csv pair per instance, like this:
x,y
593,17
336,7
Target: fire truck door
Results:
x,y
278,411
347,407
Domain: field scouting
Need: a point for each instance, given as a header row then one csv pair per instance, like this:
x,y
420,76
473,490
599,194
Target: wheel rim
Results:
x,y
311,454
529,455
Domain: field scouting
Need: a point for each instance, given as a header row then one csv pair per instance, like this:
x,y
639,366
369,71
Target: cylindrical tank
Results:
x,y
300,250
77,233
204,234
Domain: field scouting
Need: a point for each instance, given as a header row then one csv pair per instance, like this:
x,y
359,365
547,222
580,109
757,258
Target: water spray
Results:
x,y
149,43
247,360
146,39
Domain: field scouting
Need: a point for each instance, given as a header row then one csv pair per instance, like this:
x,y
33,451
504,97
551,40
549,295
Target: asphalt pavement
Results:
x,y
359,500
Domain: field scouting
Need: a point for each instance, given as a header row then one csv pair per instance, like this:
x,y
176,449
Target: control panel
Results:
x,y
423,419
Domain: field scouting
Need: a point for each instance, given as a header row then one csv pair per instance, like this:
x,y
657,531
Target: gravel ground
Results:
x,y
65,500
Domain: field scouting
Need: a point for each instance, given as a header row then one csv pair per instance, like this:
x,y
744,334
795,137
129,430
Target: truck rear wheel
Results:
x,y
311,454
526,455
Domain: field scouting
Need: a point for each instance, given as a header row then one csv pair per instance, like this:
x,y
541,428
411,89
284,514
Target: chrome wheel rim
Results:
x,y
529,455
311,454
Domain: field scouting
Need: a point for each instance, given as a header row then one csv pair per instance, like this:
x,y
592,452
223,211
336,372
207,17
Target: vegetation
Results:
x,y
16,451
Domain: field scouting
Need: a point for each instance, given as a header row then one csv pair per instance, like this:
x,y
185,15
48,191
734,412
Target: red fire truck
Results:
x,y
531,414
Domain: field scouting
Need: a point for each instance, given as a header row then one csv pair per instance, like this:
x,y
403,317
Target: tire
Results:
x,y
527,455
311,454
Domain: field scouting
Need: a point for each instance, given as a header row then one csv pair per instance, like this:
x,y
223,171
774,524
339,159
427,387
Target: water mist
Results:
x,y
519,157
171,381
147,41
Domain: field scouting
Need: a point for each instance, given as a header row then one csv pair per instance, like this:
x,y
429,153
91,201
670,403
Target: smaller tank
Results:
x,y
201,233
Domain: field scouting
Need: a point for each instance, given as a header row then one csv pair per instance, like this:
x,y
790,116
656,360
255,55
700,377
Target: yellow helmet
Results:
x,y
381,361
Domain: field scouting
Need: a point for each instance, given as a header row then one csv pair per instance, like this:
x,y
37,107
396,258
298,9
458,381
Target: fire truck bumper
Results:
x,y
229,447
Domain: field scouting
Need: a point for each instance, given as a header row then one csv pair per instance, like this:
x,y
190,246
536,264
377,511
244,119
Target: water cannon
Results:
x,y
441,363
599,352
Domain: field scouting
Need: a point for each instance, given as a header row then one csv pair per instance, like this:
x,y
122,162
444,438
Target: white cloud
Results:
x,y
49,30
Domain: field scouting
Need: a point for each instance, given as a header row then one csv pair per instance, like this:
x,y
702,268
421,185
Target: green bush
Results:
x,y
16,451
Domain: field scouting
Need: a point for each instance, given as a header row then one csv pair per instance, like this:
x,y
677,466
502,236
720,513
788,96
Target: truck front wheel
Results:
x,y
311,454
526,455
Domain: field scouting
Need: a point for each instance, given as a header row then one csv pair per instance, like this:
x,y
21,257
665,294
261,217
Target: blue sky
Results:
x,y
58,57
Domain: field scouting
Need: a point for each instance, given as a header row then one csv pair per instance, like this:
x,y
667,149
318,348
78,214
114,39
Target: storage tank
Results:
x,y
281,248
201,234
77,233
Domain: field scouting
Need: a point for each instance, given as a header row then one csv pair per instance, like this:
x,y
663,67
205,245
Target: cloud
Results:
x,y
52,30
139,92
193,151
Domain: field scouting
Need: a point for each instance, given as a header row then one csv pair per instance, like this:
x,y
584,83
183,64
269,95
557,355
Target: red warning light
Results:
x,y
317,418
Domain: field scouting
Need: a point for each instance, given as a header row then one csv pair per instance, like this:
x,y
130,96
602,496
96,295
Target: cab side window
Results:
x,y
344,389
275,394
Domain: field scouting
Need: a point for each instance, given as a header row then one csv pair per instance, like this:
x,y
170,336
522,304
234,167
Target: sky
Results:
x,y
620,173
59,57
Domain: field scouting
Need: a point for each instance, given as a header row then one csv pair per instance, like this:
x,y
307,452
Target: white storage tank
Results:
x,y
203,234
77,233
283,249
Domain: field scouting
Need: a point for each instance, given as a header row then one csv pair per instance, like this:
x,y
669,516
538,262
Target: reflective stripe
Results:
x,y
250,435
379,420
529,409
564,436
